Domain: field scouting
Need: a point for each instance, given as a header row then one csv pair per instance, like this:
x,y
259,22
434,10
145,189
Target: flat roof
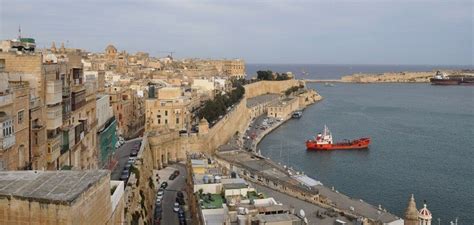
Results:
x,y
251,102
61,187
277,217
282,102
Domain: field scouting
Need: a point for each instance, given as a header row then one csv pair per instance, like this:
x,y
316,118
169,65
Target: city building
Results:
x,y
173,108
62,109
14,124
106,130
61,197
282,108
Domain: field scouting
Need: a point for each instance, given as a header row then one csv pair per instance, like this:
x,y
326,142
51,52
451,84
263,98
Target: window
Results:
x,y
20,116
159,121
2,64
177,120
166,112
7,128
166,121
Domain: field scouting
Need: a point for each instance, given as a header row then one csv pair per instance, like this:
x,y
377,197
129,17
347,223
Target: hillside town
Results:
x,y
115,137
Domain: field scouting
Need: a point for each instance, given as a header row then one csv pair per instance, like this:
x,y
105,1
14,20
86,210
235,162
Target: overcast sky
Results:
x,y
328,32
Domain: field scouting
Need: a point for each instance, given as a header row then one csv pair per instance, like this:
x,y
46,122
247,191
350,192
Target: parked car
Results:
x,y
180,200
133,153
182,221
164,185
131,160
176,207
125,175
180,194
174,175
181,213
160,193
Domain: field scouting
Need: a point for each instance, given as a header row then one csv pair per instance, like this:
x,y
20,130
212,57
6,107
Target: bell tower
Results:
x,y
411,213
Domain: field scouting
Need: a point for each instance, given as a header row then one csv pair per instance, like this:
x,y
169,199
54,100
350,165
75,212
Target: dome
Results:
x,y
110,48
425,213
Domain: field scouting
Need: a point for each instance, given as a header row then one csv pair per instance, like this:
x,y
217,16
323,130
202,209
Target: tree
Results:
x,y
265,75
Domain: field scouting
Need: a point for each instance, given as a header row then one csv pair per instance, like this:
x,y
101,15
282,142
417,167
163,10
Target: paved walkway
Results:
x,y
311,210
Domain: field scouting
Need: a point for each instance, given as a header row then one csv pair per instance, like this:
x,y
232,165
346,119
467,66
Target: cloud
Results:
x,y
338,31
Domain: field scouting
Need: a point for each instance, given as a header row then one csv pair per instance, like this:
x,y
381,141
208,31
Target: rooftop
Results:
x,y
282,102
251,102
61,187
215,202
277,218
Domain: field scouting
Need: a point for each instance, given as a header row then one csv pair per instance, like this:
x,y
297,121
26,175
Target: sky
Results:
x,y
432,32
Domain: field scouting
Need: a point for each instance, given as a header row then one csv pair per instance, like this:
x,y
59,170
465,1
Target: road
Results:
x,y
169,217
254,131
121,155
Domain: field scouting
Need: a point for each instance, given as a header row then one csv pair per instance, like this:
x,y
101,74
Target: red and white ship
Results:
x,y
323,141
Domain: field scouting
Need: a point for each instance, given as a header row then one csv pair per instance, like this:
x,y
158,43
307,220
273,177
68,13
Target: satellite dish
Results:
x,y
302,214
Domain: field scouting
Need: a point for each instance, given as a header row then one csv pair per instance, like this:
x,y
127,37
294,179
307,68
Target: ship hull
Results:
x,y
435,81
362,143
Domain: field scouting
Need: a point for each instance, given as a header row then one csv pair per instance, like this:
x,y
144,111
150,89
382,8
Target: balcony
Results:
x,y
54,148
54,92
7,142
54,117
6,99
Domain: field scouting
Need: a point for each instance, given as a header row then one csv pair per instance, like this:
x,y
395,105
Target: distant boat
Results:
x,y
441,78
297,114
324,142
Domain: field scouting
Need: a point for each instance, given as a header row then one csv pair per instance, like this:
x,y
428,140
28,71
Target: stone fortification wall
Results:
x,y
264,87
400,77
140,191
232,122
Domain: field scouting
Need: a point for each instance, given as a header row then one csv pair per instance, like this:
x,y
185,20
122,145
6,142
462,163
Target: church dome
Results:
x,y
425,213
110,49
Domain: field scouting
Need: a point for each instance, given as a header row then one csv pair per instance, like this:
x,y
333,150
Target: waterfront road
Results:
x,y
121,157
169,217
311,210
253,131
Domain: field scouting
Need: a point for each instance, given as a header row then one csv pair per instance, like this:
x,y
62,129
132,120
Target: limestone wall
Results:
x,y
221,132
140,192
264,87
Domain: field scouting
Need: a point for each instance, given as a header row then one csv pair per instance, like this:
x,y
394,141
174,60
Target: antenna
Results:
x,y
19,32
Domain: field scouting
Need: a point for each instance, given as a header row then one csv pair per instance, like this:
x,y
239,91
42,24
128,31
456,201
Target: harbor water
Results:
x,y
422,143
